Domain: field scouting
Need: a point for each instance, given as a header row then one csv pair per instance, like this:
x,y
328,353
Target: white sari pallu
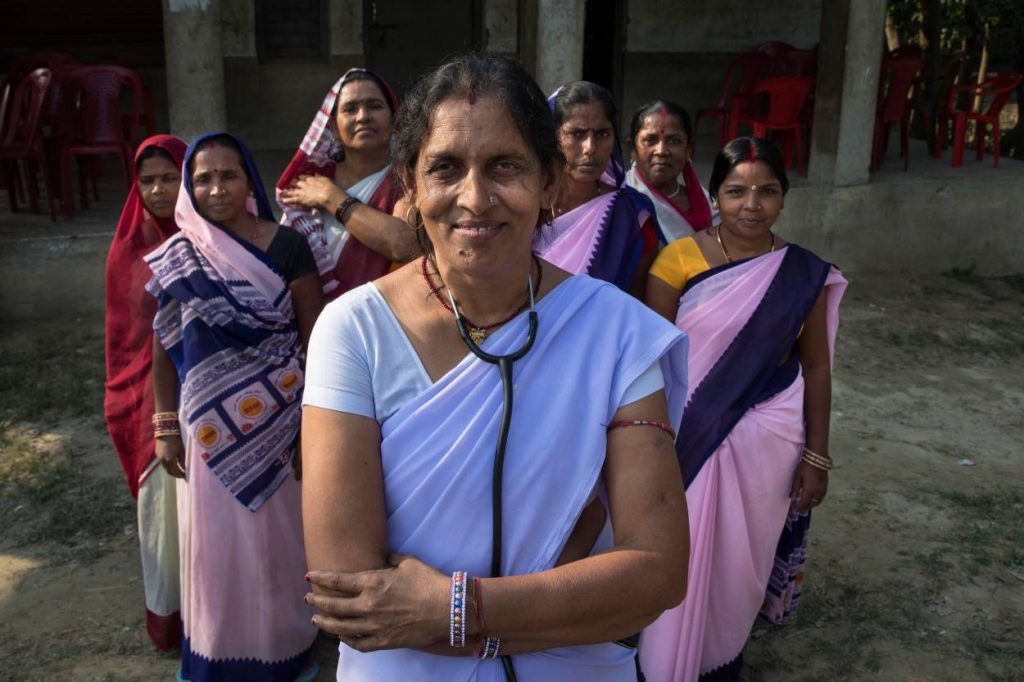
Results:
x,y
437,454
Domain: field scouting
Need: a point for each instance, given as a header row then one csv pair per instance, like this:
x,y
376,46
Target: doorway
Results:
x,y
403,40
603,39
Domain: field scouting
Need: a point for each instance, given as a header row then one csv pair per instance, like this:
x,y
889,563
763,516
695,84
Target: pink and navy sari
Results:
x,y
225,318
605,237
740,441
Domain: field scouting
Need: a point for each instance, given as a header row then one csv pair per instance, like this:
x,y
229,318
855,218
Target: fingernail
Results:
x,y
313,621
305,599
307,578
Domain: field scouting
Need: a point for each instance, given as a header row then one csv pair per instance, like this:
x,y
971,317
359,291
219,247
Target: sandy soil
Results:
x,y
916,564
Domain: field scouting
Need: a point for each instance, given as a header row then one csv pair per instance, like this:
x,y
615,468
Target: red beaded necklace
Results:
x,y
476,332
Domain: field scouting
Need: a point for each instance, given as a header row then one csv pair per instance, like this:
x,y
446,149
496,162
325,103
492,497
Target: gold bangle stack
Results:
x,y
166,424
823,462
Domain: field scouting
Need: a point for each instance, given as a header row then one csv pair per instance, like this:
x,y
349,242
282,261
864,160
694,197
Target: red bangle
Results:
x,y
643,422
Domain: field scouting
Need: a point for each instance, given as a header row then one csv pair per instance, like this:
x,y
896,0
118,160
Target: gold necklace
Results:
x,y
255,229
725,251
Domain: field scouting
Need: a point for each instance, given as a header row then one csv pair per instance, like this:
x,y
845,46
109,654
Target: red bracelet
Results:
x,y
643,422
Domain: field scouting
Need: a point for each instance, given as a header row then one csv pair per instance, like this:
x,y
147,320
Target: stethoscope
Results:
x,y
504,363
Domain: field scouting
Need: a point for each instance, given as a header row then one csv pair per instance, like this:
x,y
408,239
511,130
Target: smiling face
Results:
x,y
748,212
586,138
363,117
473,153
220,184
158,182
661,149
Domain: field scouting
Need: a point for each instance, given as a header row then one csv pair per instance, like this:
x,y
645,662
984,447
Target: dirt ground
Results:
x,y
916,564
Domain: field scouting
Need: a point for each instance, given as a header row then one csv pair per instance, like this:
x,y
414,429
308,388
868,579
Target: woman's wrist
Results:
x,y
335,197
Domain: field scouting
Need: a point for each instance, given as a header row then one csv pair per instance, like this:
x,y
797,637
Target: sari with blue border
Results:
x,y
226,320
606,236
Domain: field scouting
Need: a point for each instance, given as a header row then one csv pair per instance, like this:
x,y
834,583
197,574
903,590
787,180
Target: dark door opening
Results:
x,y
602,43
405,39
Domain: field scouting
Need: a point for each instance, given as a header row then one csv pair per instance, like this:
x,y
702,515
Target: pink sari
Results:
x,y
740,442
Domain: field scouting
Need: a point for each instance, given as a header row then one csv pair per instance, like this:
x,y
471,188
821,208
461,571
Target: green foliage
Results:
x,y
964,23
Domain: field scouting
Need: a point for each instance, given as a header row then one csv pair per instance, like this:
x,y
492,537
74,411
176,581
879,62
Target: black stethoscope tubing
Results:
x,y
504,364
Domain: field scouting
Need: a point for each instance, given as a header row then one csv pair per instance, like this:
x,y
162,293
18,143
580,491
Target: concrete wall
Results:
x,y
271,105
679,50
501,24
911,225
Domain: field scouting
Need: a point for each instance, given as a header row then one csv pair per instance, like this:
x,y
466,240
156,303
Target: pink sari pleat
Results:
x,y
739,501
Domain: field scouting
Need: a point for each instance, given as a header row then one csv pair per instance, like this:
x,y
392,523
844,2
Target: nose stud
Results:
x,y
491,199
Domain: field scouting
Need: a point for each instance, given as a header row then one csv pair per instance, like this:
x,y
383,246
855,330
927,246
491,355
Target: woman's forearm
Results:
x,y
599,599
165,380
389,236
817,407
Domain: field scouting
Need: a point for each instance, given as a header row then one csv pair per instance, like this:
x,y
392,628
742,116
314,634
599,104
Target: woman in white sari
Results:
x,y
661,136
353,233
421,562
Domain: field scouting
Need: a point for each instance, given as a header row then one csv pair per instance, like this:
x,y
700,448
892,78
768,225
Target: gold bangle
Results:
x,y
816,464
164,416
166,432
814,455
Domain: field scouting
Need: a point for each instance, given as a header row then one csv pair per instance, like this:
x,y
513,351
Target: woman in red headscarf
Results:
x,y
146,221
337,190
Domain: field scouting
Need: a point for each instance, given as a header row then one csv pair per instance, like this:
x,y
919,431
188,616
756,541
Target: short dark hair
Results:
x,y
481,74
747,149
585,92
219,139
655,106
150,152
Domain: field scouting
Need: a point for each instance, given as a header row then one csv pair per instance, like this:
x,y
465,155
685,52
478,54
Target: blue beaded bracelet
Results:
x,y
457,611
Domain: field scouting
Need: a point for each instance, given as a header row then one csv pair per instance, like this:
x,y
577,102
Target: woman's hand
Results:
x,y
171,453
314,191
403,606
811,485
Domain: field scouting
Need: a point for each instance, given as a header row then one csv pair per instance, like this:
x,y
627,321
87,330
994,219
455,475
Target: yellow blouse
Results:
x,y
679,262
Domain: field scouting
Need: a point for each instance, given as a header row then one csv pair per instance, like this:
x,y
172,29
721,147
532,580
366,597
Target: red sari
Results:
x,y
128,403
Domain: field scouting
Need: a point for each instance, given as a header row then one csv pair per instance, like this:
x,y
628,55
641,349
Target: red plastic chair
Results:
x,y
798,63
22,141
740,76
997,90
57,62
93,102
786,96
899,75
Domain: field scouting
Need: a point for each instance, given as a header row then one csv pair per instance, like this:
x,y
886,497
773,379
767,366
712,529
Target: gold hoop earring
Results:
x,y
551,216
416,222
714,203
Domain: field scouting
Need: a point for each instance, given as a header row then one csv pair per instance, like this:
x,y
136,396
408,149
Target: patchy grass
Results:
x,y
52,371
992,526
46,497
49,375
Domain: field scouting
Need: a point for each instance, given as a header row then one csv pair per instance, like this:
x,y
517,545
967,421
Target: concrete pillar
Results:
x,y
559,42
849,58
195,66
